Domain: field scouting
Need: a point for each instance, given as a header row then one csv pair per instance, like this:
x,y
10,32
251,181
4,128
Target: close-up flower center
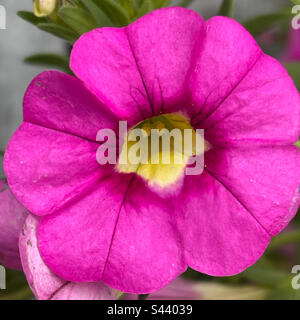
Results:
x,y
158,148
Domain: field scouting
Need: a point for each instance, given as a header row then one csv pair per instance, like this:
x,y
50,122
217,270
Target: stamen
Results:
x,y
151,150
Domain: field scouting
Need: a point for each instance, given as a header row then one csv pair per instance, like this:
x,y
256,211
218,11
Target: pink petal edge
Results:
x,y
43,282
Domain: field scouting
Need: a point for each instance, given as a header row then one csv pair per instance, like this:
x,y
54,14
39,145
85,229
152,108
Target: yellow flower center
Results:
x,y
158,149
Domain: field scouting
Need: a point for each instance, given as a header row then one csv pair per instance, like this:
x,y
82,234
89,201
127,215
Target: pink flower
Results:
x,y
12,216
44,283
15,222
97,223
47,286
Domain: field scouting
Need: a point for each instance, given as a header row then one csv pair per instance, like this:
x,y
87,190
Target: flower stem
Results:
x,y
227,8
2,153
143,296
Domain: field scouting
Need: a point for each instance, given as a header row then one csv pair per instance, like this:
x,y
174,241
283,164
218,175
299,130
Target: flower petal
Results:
x,y
221,237
104,236
12,216
264,109
239,94
166,44
46,168
44,283
265,180
227,55
244,197
61,102
141,69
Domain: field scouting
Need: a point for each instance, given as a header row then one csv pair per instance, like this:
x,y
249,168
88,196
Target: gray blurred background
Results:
x,y
21,39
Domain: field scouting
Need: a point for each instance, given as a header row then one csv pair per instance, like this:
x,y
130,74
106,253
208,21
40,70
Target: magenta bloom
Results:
x,y
100,224
44,283
12,217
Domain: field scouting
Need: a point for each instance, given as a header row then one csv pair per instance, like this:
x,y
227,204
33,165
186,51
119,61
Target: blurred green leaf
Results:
x,y
115,12
101,18
20,294
284,292
126,3
50,60
260,24
30,17
146,7
265,276
129,6
186,3
227,8
137,3
59,31
265,273
78,19
2,153
16,287
283,239
161,3
294,71
75,3
295,1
